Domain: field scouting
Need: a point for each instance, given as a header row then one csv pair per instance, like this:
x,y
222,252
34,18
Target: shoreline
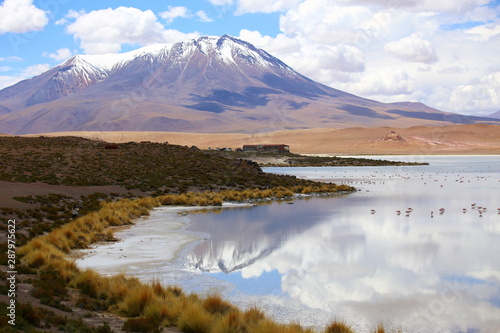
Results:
x,y
184,208
144,233
110,258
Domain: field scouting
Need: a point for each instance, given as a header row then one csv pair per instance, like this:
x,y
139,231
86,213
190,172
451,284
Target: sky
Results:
x,y
443,53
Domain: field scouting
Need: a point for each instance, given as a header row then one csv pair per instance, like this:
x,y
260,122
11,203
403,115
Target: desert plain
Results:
x,y
476,139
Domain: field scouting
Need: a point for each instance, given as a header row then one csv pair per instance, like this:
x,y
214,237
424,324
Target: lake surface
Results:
x,y
374,256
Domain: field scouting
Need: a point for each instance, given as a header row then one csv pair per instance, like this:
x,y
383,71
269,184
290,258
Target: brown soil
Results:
x,y
418,140
10,190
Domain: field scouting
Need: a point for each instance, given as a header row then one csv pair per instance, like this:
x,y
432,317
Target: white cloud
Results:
x,y
30,71
60,55
351,45
382,82
481,95
412,48
202,16
264,6
20,16
221,2
34,70
448,6
106,30
331,59
324,63
322,22
281,46
7,81
72,14
183,12
11,59
174,12
485,32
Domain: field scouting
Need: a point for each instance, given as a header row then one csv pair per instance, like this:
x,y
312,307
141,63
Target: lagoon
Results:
x,y
350,257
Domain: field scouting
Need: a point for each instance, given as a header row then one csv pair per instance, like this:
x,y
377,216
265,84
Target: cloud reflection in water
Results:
x,y
421,273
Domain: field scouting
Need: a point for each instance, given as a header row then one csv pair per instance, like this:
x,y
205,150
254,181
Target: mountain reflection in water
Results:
x,y
416,271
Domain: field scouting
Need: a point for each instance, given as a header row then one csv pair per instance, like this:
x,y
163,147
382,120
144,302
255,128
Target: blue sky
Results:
x,y
444,53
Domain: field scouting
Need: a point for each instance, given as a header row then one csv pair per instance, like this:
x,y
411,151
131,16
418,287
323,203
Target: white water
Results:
x,y
328,258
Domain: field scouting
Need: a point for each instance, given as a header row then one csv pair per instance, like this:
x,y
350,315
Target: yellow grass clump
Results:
x,y
195,319
137,299
215,304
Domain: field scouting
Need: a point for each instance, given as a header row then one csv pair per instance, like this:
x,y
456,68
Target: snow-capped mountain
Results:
x,y
211,84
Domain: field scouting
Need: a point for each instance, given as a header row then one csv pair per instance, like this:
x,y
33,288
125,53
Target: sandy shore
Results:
x,y
419,140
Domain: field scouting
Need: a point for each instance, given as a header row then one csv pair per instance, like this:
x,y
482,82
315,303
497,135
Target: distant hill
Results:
x,y
495,115
211,84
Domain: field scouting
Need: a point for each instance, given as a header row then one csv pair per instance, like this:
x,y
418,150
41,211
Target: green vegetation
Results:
x,y
34,319
155,168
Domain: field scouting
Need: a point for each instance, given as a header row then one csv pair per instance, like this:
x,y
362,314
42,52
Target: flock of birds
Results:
x,y
481,210
426,179
440,179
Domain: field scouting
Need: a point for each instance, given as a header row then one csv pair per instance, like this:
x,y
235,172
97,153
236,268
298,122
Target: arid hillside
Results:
x,y
459,139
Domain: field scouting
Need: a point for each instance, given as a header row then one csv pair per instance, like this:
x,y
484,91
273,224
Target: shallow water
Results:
x,y
324,258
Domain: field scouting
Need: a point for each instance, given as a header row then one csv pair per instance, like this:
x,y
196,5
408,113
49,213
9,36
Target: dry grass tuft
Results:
x,y
195,319
216,305
338,327
136,300
253,316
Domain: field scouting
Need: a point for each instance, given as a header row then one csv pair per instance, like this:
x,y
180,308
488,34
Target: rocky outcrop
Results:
x,y
392,137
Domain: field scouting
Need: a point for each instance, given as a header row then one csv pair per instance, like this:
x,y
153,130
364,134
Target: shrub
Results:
x,y
141,324
91,304
29,313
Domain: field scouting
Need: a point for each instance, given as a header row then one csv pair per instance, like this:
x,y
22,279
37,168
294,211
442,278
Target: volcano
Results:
x,y
209,84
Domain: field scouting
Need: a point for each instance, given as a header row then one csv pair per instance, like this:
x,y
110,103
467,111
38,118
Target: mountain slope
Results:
x,y
495,115
212,84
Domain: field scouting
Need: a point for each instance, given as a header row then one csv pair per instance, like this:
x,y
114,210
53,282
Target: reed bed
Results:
x,y
150,306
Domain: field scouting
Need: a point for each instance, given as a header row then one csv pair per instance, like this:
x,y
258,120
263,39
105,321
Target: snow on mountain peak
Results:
x,y
229,49
225,56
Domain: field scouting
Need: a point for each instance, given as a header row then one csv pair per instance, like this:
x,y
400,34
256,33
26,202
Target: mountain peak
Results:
x,y
208,84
